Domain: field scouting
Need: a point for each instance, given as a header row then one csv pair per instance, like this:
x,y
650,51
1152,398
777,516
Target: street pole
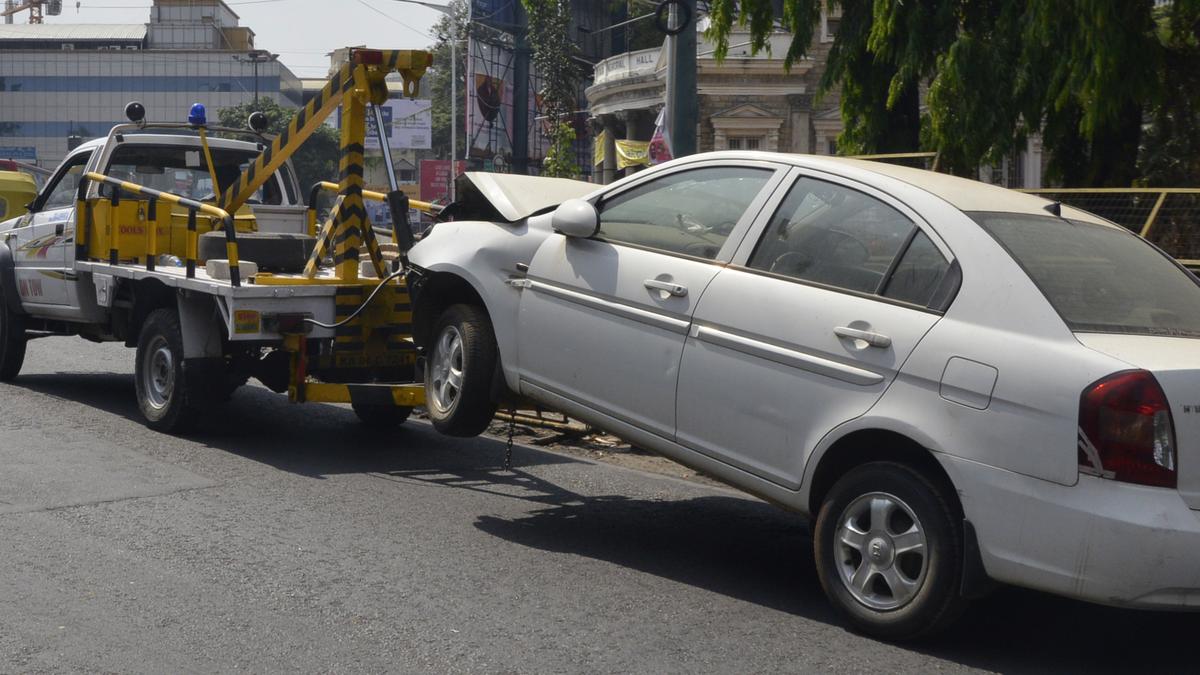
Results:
x,y
445,9
520,117
682,104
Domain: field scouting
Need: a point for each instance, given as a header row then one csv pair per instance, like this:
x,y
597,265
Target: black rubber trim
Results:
x,y
8,279
975,581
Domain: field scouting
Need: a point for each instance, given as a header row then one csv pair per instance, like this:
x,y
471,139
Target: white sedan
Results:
x,y
961,384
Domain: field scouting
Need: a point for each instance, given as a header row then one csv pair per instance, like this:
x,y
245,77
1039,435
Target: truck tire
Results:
x,y
458,377
272,251
888,549
169,400
380,417
12,342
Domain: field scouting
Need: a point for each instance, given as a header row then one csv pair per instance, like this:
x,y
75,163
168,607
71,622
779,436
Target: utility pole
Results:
x,y
520,117
682,104
445,9
256,56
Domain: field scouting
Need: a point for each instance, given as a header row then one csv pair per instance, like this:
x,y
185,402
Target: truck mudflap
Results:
x,y
8,279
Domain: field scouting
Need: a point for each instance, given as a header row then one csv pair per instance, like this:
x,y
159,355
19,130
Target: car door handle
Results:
x,y
676,290
874,339
58,229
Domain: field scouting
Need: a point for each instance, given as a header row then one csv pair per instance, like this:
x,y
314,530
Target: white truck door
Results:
x,y
40,245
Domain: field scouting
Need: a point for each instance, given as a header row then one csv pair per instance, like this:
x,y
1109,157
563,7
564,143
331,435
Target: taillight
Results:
x,y
1125,430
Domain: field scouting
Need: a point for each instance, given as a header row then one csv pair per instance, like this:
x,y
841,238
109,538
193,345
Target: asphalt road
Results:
x,y
285,538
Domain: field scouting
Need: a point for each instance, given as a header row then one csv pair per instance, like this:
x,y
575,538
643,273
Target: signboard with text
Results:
x,y
24,153
435,178
407,123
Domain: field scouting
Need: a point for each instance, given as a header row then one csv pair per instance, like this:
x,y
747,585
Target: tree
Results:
x,y
450,27
1082,73
317,158
554,59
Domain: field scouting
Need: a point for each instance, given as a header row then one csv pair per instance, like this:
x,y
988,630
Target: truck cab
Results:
x,y
43,241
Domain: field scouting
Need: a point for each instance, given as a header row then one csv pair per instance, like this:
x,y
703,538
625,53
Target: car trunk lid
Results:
x,y
1175,363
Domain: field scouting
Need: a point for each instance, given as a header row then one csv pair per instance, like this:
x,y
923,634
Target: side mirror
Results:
x,y
576,218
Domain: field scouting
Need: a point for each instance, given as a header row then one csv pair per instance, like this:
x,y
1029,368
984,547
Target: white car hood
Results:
x,y
515,196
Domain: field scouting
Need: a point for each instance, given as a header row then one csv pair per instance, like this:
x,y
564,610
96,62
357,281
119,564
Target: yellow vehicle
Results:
x,y
16,190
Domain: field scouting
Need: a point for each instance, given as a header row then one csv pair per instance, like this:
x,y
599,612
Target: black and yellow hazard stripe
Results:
x,y
349,337
310,117
324,241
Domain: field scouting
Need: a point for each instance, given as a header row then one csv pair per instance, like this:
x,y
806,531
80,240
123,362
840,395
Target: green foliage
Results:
x,y
553,57
560,157
1085,74
437,79
317,158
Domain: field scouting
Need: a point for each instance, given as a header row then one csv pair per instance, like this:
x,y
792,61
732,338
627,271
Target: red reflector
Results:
x,y
1126,430
8,165
368,57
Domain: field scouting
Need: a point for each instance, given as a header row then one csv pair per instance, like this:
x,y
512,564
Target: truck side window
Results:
x,y
62,192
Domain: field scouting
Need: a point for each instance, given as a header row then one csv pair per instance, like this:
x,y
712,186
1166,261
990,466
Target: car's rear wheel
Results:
x,y
458,375
12,342
889,552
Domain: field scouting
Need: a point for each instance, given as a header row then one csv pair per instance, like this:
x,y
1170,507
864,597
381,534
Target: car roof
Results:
x,y
962,193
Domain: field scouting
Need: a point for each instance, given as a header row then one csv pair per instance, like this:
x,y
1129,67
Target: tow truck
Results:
x,y
189,242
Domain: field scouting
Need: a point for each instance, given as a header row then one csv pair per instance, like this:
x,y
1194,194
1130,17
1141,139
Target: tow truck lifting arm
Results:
x,y
358,82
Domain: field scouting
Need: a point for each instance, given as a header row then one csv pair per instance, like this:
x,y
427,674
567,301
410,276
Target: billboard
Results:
x,y
408,124
499,14
489,112
435,178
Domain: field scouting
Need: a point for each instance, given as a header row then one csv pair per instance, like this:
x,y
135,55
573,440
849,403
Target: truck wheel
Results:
x,y
380,417
458,376
889,552
159,376
12,342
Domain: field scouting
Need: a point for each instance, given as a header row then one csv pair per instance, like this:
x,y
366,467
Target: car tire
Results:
x,y
380,417
169,397
458,375
12,342
271,251
869,515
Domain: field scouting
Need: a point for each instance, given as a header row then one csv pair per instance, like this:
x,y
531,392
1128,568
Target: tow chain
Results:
x,y
512,425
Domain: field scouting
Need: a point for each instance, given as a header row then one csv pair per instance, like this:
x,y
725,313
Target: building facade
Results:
x,y
61,84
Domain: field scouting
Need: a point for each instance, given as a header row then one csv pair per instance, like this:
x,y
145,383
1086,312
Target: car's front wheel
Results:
x,y
889,552
458,374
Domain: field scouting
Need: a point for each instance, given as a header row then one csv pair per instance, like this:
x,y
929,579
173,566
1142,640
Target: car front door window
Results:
x,y
690,212
62,195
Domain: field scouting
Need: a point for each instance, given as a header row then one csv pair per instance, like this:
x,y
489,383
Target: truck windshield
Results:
x,y
182,170
1100,279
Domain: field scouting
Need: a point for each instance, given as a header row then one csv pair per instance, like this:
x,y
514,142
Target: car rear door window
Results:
x,y
919,272
835,236
689,212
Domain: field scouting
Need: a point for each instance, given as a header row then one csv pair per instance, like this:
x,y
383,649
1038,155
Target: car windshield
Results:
x,y
182,170
1100,279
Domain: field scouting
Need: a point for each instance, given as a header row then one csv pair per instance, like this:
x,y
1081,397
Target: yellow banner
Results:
x,y
632,153
598,149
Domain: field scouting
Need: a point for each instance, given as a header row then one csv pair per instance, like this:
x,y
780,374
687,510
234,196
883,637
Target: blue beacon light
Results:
x,y
197,116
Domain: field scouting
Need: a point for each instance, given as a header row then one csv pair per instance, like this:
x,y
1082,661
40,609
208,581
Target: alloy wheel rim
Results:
x,y
882,551
158,373
447,370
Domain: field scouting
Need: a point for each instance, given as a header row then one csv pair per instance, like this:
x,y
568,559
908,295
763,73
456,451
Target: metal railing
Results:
x,y
1167,217
193,207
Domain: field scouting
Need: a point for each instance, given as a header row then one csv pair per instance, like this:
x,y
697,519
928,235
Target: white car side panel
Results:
x,y
591,329
486,255
764,375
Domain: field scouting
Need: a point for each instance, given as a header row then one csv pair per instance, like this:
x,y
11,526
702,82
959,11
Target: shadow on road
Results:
x,y
737,547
